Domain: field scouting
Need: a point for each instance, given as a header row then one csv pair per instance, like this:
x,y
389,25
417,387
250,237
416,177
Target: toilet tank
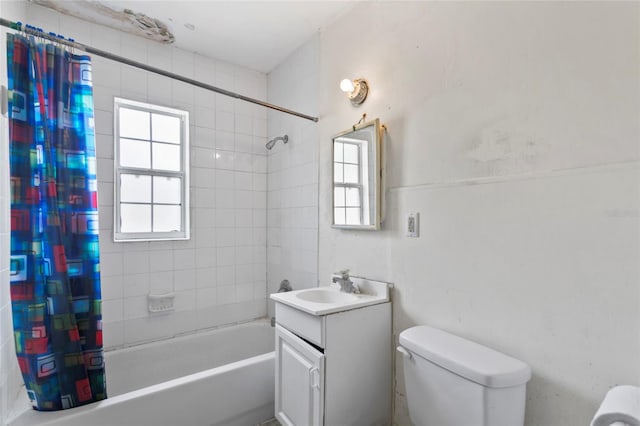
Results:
x,y
453,381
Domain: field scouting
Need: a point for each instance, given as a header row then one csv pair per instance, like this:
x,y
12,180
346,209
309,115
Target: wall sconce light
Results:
x,y
357,90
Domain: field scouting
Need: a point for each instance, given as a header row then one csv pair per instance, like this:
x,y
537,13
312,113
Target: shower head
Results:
x,y
272,142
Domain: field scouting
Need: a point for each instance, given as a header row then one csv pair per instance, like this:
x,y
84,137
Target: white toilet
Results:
x,y
451,381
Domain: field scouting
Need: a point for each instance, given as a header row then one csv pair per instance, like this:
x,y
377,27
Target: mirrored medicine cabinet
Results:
x,y
357,177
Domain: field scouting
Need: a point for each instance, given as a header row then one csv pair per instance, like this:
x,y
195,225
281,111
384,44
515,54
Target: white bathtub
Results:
x,y
220,377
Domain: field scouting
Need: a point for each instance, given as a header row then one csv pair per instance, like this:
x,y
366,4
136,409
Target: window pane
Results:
x,y
338,196
166,218
165,128
166,190
353,216
135,218
337,151
338,173
151,169
166,157
339,216
351,153
134,124
352,197
135,153
135,188
351,173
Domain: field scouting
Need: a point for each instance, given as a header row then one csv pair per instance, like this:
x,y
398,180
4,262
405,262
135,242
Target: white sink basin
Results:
x,y
328,295
328,300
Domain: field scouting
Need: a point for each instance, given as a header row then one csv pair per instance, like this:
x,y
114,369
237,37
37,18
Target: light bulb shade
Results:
x,y
346,85
356,90
360,92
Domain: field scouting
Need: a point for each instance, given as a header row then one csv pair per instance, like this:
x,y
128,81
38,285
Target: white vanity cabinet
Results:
x,y
333,369
300,383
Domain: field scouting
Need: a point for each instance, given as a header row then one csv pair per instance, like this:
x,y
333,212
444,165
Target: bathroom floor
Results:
x,y
271,422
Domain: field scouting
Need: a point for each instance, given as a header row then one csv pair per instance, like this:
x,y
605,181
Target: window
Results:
x,y
151,172
350,182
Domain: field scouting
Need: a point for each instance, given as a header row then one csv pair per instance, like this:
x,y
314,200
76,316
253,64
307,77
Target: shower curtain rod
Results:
x,y
17,26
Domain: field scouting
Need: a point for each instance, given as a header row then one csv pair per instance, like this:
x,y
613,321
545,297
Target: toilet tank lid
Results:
x,y
466,358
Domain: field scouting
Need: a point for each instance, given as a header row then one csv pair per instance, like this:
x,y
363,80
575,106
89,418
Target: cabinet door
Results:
x,y
299,381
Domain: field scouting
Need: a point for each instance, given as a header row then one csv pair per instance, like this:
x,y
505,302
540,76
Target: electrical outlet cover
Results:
x,y
413,225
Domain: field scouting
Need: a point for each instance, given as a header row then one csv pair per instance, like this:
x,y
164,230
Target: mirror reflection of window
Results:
x,y
351,181
357,177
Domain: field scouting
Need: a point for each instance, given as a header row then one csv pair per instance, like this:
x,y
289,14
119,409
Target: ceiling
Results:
x,y
255,34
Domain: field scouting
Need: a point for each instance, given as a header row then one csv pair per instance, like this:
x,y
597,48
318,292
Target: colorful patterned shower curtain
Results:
x,y
55,270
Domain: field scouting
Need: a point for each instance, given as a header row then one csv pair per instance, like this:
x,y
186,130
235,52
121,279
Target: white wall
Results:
x,y
292,240
513,129
219,276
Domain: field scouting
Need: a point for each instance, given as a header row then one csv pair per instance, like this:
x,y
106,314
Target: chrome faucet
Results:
x,y
346,285
285,286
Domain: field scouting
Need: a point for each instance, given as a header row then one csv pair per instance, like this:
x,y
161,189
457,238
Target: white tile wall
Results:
x,y
292,196
12,397
228,205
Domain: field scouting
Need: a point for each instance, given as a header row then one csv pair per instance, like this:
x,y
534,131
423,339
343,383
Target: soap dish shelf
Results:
x,y
161,302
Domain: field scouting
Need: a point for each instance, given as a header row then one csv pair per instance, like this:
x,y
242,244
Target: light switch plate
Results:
x,y
413,225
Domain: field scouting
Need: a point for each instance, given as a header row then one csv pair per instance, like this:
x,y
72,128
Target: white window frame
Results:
x,y
183,174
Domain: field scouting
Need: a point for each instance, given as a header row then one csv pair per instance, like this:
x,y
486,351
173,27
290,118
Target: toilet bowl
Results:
x,y
451,381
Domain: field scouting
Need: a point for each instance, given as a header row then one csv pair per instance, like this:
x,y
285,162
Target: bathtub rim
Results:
x,y
35,417
183,335
51,417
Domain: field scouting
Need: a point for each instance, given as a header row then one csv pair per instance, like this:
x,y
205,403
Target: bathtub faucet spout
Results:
x,y
285,286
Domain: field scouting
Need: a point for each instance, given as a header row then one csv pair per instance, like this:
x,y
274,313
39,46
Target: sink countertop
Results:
x,y
329,299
